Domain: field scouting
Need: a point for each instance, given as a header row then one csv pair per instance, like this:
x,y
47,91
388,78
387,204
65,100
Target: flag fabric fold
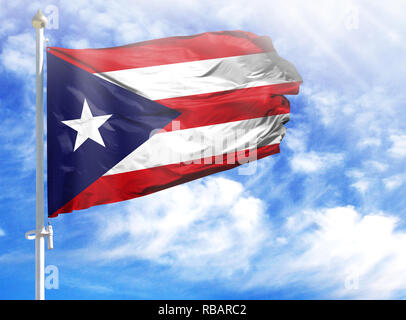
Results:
x,y
128,121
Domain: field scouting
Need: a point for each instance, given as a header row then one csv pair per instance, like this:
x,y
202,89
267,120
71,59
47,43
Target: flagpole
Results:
x,y
39,21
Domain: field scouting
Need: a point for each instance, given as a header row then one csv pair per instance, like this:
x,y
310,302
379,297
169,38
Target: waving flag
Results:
x,y
128,121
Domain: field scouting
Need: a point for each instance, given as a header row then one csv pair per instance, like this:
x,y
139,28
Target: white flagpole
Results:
x,y
39,21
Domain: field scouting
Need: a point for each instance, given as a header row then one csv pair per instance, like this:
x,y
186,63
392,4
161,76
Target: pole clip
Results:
x,y
30,235
48,232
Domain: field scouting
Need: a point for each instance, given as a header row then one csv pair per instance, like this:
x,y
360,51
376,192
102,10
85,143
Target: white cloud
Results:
x,y
362,180
123,22
361,116
16,257
376,165
233,9
7,26
326,103
327,247
2,233
348,242
367,125
213,226
18,138
213,229
77,43
296,139
361,185
315,162
394,182
18,54
369,142
398,148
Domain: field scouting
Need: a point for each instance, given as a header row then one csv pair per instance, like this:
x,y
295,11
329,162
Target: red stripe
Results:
x,y
209,45
234,105
129,185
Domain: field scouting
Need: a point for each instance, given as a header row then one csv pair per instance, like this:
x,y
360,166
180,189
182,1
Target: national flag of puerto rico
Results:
x,y
128,121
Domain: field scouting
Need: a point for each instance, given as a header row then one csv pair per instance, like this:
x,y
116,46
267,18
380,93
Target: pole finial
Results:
x,y
39,20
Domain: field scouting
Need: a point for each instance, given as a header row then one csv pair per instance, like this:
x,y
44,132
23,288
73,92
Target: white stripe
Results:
x,y
196,143
204,76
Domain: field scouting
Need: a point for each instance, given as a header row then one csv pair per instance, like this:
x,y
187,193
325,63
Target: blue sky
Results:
x,y
324,219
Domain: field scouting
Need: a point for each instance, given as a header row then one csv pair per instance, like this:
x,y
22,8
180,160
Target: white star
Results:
x,y
87,126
